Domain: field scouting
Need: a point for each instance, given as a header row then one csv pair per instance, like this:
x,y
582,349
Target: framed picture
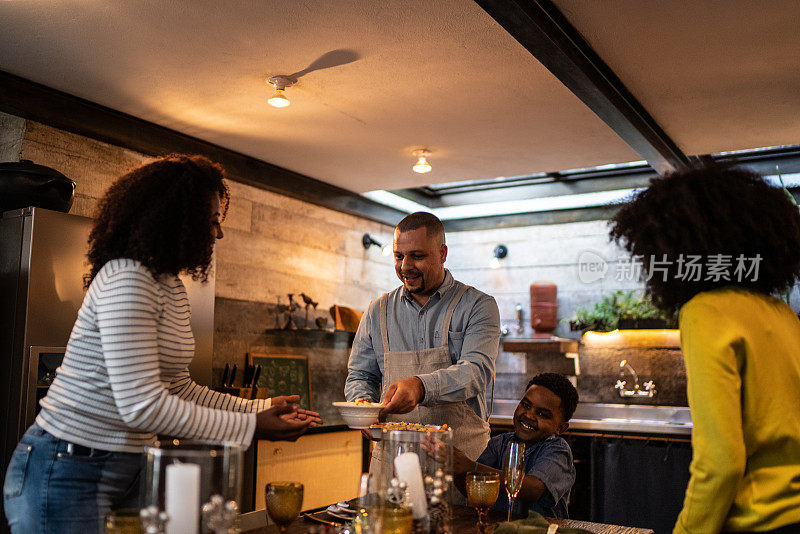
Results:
x,y
284,374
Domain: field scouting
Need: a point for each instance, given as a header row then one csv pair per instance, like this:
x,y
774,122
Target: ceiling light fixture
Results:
x,y
422,165
280,83
500,252
367,240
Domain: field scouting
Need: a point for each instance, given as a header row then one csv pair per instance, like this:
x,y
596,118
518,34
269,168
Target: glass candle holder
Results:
x,y
421,463
198,485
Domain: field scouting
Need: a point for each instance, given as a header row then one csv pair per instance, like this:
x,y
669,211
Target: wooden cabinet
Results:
x,y
327,464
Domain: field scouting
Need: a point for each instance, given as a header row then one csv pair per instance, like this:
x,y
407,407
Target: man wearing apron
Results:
x,y
428,348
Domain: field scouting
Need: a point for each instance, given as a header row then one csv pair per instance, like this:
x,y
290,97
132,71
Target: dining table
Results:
x,y
464,521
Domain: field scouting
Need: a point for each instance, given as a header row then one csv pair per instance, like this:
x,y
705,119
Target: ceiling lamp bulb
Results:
x,y
422,165
280,83
279,99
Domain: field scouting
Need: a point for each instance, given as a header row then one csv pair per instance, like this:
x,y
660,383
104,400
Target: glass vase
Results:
x,y
420,464
198,485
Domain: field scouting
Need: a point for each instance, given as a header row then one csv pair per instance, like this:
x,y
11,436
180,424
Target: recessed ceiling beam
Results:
x,y
552,189
541,28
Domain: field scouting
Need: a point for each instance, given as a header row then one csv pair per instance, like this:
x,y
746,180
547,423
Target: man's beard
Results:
x,y
420,289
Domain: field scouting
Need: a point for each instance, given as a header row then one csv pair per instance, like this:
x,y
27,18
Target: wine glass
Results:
x,y
284,501
482,492
514,471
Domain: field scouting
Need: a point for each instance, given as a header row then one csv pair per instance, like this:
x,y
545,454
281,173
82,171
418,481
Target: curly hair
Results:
x,y
708,212
563,389
159,214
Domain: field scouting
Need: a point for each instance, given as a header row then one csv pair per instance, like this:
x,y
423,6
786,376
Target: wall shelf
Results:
x,y
534,345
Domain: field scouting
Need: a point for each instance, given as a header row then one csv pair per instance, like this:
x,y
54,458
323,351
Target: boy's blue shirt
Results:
x,y
550,461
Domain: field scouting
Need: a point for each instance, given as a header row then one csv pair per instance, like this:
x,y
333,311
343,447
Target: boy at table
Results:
x,y
541,416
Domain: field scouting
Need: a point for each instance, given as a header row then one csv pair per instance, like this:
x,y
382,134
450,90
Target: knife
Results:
x,y
248,375
225,375
256,374
233,376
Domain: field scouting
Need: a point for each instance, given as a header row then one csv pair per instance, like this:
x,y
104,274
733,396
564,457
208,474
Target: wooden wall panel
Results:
x,y
328,465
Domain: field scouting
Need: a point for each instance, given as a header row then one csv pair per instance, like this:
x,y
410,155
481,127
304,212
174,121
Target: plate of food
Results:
x,y
377,429
359,414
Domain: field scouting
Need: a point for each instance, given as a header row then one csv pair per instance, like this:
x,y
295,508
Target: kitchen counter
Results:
x,y
641,419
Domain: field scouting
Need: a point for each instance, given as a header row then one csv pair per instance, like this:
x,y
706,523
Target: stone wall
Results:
x,y
546,252
273,245
276,245
556,253
536,253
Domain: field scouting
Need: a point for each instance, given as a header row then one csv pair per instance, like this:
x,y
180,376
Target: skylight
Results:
x,y
533,205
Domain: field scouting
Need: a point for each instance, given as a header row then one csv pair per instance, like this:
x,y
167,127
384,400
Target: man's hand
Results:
x,y
281,423
402,396
462,464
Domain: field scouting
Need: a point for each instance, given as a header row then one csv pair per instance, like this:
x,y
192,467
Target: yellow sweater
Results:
x,y
742,352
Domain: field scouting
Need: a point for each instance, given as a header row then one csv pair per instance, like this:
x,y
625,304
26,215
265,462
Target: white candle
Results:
x,y
408,470
183,498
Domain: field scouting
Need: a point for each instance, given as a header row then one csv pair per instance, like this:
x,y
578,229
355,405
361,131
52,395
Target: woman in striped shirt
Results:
x,y
124,377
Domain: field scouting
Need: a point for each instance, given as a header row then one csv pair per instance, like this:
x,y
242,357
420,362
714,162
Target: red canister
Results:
x,y
544,308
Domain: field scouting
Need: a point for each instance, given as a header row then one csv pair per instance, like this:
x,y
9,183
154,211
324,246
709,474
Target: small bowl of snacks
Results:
x,y
359,414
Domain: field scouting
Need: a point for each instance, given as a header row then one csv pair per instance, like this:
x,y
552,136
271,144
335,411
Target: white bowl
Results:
x,y
358,415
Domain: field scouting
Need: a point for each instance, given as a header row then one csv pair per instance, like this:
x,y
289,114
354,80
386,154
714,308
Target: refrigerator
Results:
x,y
42,263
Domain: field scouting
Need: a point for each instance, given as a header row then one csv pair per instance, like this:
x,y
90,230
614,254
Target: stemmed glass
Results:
x,y
482,492
513,471
284,501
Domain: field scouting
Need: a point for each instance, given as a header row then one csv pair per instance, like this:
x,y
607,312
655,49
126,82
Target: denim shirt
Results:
x,y
474,341
549,460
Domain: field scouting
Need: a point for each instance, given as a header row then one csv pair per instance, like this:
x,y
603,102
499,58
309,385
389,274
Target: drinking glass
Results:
x,y
396,519
284,501
513,471
123,522
482,492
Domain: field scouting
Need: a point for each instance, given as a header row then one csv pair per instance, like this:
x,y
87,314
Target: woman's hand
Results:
x,y
282,423
300,414
285,400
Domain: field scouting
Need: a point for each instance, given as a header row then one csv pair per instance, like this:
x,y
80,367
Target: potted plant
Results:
x,y
624,310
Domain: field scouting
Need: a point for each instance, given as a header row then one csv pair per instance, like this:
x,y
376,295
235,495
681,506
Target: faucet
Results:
x,y
520,321
649,386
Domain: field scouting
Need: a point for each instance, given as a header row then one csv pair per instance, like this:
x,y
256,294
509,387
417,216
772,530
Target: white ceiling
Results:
x,y
716,75
443,75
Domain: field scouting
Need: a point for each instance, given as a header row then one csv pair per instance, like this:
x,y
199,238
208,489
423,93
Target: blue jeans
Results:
x,y
53,486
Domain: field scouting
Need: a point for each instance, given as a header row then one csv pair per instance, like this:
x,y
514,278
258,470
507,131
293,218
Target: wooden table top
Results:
x,y
464,519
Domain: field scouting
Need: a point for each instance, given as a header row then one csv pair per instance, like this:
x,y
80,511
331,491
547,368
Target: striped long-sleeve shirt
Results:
x,y
125,374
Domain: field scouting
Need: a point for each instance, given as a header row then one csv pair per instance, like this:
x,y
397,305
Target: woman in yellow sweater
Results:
x,y
717,244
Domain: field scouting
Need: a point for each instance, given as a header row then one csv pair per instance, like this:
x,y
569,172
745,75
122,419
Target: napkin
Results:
x,y
533,524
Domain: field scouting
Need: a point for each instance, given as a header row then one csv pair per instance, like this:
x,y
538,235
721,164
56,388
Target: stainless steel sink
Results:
x,y
615,417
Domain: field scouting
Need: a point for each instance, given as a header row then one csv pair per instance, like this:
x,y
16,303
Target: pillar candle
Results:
x,y
183,498
408,470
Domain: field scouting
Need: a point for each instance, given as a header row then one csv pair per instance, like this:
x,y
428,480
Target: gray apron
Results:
x,y
470,432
